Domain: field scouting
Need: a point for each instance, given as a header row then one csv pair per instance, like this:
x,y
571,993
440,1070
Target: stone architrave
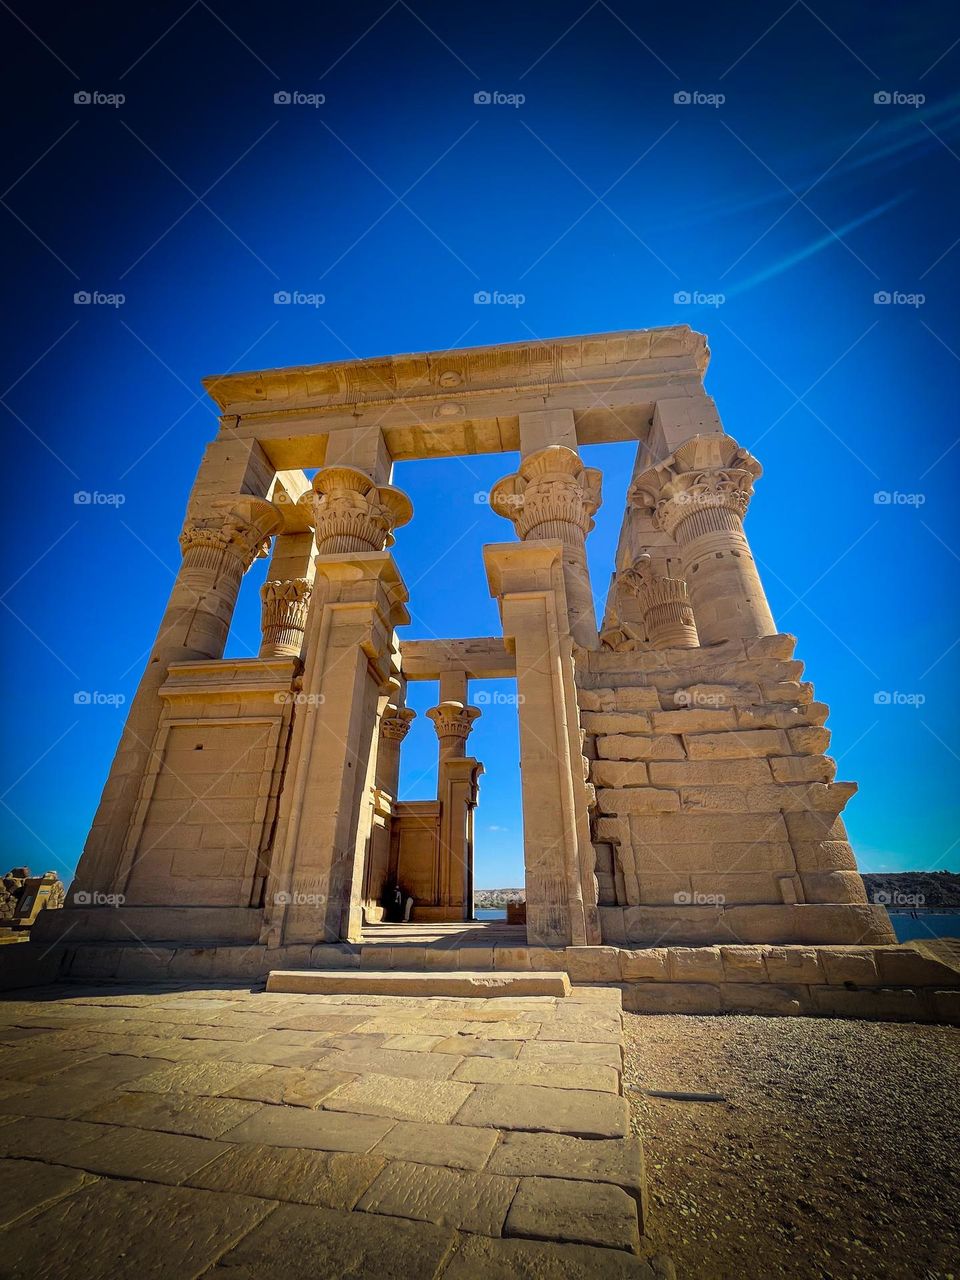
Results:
x,y
664,606
553,495
528,581
699,497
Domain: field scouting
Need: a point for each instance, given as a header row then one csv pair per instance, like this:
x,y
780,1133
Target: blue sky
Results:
x,y
601,199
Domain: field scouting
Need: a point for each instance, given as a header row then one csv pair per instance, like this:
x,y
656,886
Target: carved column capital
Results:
x,y
236,532
699,496
707,474
453,722
664,603
351,513
551,495
284,616
395,722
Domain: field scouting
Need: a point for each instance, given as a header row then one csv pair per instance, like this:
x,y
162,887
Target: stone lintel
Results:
x,y
479,658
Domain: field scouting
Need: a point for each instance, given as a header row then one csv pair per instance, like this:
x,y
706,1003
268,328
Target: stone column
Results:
x,y
395,724
664,606
457,792
554,496
699,496
286,592
528,581
218,549
350,513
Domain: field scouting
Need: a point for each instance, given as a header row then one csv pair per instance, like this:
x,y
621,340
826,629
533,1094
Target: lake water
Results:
x,y
925,924
907,927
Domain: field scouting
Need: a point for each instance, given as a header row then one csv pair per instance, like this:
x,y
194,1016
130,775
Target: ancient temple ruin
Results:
x,y
675,786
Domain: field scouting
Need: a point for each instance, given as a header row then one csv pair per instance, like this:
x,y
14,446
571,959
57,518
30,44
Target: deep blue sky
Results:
x,y
599,199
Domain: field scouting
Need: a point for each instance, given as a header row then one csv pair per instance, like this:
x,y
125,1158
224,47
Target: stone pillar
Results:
x,y
220,540
554,496
699,496
528,581
350,513
664,606
395,724
316,888
457,792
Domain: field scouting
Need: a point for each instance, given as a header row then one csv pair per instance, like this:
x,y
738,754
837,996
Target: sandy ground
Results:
x,y
835,1154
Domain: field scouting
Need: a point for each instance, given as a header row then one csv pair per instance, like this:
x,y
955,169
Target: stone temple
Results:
x,y
675,786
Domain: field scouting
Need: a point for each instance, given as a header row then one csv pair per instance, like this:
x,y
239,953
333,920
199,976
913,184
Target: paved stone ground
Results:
x,y
167,1131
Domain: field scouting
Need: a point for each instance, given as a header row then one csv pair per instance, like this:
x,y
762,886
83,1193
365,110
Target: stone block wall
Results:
x,y
716,815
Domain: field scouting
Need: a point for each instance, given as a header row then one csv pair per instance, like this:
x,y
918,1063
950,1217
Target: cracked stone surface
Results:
x,y
179,1131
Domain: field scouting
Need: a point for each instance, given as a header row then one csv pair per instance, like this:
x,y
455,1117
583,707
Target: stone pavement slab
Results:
x,y
28,1188
453,1145
377,1135
467,1201
554,1155
319,1130
526,1106
297,1242
174,1113
558,1076
130,1229
295,1175
558,1209
377,1095
481,1258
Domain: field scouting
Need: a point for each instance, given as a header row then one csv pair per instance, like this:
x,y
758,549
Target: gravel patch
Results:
x,y
833,1155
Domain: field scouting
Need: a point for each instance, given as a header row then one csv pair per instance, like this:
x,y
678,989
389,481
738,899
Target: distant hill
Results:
x,y
914,889
907,890
486,898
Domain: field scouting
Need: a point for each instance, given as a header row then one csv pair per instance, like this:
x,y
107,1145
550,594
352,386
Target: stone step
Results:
x,y
401,982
